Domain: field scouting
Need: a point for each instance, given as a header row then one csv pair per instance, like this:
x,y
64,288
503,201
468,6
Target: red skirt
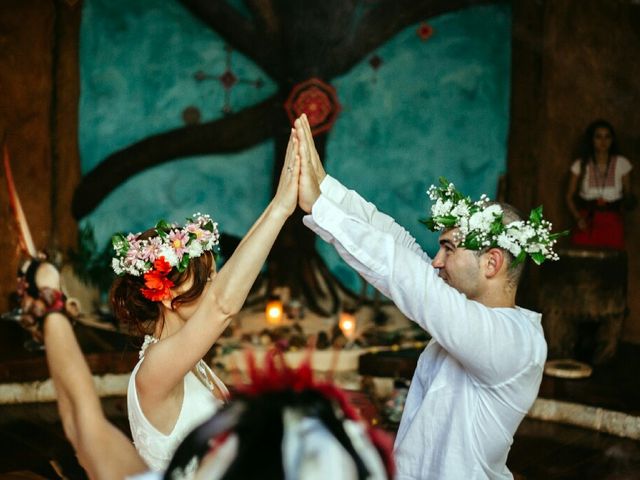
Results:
x,y
605,230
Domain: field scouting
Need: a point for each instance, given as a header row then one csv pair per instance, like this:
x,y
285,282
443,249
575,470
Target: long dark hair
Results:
x,y
590,132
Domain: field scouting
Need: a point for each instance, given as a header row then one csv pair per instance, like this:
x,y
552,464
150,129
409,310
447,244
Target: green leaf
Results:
x,y
555,236
538,258
184,263
162,227
448,221
497,226
472,241
429,223
120,243
519,259
163,224
536,215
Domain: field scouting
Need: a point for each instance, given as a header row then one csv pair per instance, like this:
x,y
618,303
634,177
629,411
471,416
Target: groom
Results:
x,y
481,372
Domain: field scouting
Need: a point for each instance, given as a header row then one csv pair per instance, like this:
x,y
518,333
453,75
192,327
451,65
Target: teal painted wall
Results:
x,y
433,108
137,63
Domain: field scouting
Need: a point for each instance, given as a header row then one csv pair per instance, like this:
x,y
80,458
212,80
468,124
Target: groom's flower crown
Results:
x,y
172,247
480,225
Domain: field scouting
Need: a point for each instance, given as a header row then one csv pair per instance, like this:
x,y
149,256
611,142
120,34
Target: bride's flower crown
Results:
x,y
172,247
480,225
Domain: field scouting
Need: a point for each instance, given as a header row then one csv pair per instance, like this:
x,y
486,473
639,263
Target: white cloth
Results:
x,y
477,377
150,475
198,404
311,452
607,185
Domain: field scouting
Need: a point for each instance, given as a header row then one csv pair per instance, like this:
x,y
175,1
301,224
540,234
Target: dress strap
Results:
x,y
211,380
148,340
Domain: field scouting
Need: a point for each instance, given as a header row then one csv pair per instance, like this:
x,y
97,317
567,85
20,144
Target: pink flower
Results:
x,y
201,234
134,253
178,240
152,250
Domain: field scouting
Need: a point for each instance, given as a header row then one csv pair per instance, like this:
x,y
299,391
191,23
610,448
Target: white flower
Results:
x,y
476,220
515,249
504,241
461,210
117,268
194,249
523,233
480,221
518,224
441,208
463,225
169,255
508,243
534,248
493,211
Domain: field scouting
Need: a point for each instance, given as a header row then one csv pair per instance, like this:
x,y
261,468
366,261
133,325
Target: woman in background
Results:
x,y
598,186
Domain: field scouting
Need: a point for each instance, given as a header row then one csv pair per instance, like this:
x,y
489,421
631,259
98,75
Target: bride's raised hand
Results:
x,y
286,197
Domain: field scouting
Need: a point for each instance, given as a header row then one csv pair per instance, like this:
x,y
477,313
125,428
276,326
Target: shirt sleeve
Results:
x,y
576,167
624,165
490,343
353,204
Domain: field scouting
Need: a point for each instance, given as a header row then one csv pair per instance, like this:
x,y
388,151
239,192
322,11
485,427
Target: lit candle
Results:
x,y
347,324
273,312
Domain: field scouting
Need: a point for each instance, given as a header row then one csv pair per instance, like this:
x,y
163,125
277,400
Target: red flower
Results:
x,y
156,281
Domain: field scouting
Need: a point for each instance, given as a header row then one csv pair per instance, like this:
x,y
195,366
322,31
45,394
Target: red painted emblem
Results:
x,y
318,100
375,62
228,79
424,31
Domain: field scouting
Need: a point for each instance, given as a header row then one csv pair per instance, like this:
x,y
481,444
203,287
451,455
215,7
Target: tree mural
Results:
x,y
301,46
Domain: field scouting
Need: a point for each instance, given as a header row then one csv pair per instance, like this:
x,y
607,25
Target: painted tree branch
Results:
x,y
316,34
265,16
229,134
380,23
239,32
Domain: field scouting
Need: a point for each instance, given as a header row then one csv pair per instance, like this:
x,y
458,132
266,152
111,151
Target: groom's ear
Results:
x,y
493,260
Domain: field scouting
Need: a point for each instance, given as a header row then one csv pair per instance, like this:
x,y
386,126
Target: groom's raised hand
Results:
x,y
311,171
